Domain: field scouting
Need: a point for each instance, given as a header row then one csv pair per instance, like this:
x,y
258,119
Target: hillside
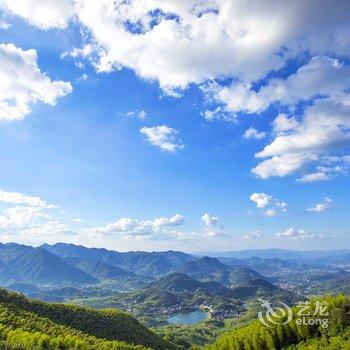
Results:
x,y
308,336
180,283
142,263
27,265
232,277
101,270
240,276
204,265
71,327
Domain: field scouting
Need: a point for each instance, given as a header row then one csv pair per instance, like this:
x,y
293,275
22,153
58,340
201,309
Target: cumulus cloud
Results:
x,y
137,228
268,205
20,198
43,14
23,84
209,220
261,199
163,137
33,219
295,234
283,165
246,42
323,128
214,38
328,170
17,217
212,228
322,76
283,123
318,208
252,133
22,210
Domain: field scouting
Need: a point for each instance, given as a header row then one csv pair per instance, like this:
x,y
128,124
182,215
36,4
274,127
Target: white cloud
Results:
x,y
23,199
135,228
140,115
209,220
318,208
219,113
252,235
252,133
163,137
323,128
23,211
271,206
295,234
212,228
49,232
43,14
216,38
270,212
4,25
23,84
283,165
261,199
322,76
82,78
313,177
324,173
283,123
282,205
247,42
18,217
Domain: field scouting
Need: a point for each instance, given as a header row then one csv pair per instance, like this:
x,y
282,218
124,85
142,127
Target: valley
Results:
x,y
174,293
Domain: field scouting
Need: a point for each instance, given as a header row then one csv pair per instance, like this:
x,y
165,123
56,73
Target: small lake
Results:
x,y
193,317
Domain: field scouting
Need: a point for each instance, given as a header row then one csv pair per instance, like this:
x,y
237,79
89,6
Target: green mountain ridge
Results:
x,y
101,270
86,326
204,265
142,263
28,264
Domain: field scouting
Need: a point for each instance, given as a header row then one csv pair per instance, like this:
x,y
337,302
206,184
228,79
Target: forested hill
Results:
x,y
29,324
292,336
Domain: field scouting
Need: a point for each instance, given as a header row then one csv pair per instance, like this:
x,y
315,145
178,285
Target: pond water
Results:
x,y
188,317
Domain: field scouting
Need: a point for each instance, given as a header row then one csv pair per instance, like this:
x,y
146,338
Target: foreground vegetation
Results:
x,y
34,325
28,324
310,336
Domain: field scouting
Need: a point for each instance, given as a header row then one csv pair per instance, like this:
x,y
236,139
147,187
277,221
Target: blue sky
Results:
x,y
147,143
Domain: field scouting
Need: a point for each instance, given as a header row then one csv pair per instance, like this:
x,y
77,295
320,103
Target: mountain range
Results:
x,y
64,271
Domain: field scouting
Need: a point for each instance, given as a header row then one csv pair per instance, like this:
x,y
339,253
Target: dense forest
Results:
x,y
29,324
310,335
